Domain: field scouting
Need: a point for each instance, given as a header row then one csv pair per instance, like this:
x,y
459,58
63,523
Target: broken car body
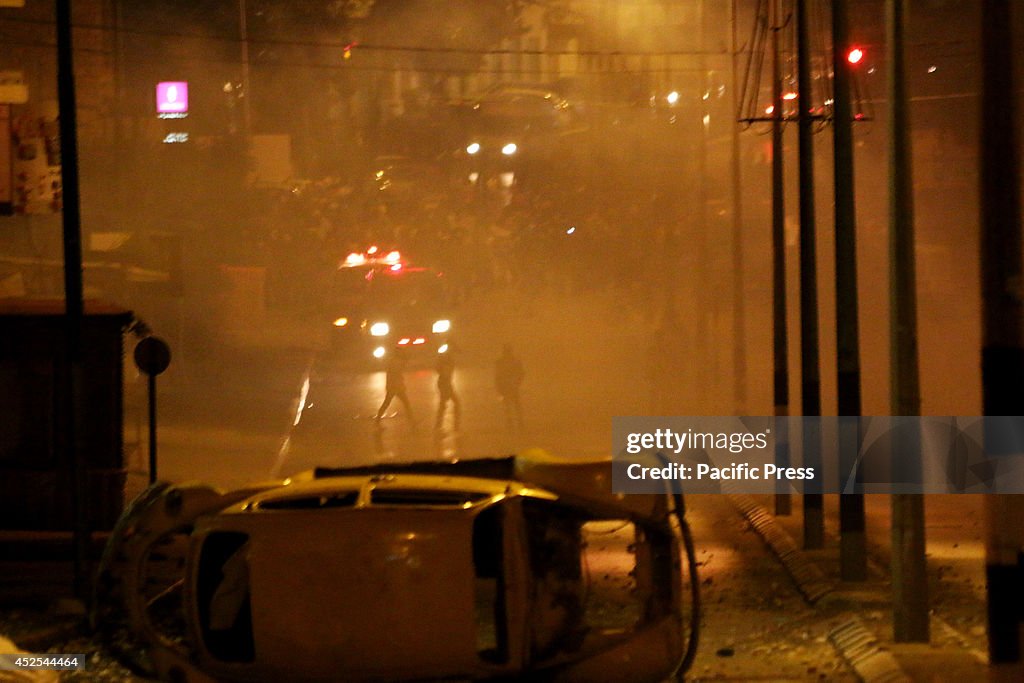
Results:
x,y
512,567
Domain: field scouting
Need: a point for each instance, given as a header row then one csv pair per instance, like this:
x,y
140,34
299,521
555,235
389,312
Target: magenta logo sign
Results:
x,y
172,97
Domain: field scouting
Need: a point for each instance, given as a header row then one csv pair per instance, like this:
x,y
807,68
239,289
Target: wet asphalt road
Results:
x,y
264,411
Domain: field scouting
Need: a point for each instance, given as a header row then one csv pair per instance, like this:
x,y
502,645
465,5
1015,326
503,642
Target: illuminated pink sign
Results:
x,y
172,97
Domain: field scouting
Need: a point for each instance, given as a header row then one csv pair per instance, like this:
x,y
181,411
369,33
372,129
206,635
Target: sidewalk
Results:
x,y
864,630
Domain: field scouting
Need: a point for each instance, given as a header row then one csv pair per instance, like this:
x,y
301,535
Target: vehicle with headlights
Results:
x,y
509,127
533,107
349,290
517,568
384,305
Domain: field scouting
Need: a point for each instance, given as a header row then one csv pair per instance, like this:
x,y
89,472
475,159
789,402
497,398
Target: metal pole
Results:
x,y
810,373
739,344
152,428
780,344
117,107
72,229
909,569
706,348
853,557
1002,352
243,30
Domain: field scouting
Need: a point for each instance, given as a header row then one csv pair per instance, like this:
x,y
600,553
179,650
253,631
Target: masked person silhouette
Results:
x,y
446,390
508,378
394,387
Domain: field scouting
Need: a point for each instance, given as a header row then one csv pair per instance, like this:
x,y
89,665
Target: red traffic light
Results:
x,y
855,55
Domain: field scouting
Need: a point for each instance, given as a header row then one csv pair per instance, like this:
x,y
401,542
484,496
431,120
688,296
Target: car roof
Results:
x,y
358,573
408,490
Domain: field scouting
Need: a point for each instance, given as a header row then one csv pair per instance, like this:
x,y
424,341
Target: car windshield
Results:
x,y
507,112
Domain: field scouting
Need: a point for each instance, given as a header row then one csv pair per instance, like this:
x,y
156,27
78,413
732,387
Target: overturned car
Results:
x,y
496,569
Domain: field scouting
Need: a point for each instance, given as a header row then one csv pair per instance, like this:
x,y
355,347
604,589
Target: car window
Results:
x,y
518,110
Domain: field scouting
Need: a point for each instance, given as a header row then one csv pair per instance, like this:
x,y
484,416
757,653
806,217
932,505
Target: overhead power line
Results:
x,y
378,47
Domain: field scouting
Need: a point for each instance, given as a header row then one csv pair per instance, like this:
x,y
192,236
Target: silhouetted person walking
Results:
x,y
508,378
668,370
446,390
394,387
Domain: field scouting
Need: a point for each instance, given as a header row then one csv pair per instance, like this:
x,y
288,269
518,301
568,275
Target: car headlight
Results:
x,y
472,148
379,352
380,329
509,149
341,322
441,326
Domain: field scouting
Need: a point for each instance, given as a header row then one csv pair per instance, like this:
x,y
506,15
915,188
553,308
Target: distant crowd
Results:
x,y
534,239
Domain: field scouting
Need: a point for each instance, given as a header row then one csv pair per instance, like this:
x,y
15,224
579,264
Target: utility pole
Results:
x,y
909,569
243,31
739,343
72,229
810,373
117,106
853,562
780,345
706,347
1002,351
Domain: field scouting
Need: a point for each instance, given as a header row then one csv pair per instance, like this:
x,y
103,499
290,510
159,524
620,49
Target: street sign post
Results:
x,y
152,356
